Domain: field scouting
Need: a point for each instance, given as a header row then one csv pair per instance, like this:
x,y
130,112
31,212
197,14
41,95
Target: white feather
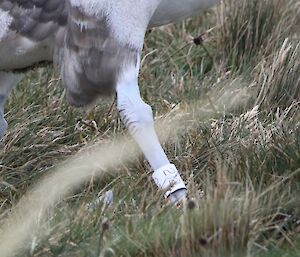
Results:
x,y
171,10
128,20
5,21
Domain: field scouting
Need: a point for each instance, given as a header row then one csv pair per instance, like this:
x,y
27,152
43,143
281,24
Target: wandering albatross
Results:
x,y
97,46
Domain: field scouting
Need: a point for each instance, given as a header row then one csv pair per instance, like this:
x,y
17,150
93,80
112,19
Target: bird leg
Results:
x,y
138,119
8,81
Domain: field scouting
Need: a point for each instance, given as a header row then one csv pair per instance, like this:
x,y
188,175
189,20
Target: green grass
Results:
x,y
237,145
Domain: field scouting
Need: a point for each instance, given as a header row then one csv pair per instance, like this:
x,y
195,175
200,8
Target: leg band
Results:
x,y
168,178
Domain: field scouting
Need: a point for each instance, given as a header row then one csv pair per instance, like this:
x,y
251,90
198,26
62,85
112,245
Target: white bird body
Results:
x,y
17,51
169,11
97,44
22,52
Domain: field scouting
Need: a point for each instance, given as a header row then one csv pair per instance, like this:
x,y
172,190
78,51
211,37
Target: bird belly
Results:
x,y
18,52
172,10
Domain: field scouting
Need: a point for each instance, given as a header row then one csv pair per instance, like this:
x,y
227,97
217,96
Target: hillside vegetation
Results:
x,y
230,113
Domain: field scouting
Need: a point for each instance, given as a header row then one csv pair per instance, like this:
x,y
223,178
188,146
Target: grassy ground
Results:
x,y
237,95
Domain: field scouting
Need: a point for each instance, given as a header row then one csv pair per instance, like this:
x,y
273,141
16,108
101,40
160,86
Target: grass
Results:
x,y
237,145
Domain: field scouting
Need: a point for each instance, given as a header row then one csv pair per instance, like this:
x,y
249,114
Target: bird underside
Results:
x,y
82,45
91,42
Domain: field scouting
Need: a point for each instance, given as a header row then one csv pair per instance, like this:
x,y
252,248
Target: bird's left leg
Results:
x,y
138,118
8,81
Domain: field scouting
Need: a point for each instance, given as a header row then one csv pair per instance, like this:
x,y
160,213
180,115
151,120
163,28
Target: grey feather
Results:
x,y
35,19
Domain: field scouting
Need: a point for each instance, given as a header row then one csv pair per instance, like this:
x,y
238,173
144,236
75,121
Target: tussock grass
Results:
x,y
279,77
240,155
249,30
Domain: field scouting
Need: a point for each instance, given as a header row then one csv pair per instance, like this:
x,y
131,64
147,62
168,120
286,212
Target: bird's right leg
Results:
x,y
138,118
8,81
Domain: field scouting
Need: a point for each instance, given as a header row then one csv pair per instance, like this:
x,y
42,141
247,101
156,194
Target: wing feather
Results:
x,y
35,19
